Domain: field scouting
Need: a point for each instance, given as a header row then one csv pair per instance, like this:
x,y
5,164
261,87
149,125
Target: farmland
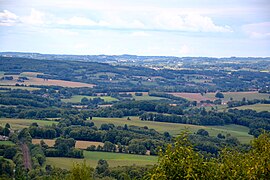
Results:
x,y
79,144
193,96
256,107
6,143
49,82
237,96
77,98
114,159
240,132
23,123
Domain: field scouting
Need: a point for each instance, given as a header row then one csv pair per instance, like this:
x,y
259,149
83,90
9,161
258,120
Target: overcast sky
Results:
x,y
150,27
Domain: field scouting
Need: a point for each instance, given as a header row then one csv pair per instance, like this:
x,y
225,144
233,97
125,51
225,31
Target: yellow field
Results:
x,y
79,144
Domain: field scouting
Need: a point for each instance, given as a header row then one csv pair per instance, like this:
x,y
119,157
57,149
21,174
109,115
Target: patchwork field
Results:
x,y
77,98
50,82
193,96
240,132
33,80
114,159
22,123
79,144
237,96
256,107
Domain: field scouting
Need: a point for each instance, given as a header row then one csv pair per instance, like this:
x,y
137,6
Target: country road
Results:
x,y
26,157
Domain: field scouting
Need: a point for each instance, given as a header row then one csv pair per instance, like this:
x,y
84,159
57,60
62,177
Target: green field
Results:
x,y
238,96
114,159
237,131
146,97
23,123
20,87
256,107
6,143
78,98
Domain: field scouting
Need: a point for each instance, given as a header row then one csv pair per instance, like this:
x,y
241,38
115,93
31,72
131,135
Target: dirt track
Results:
x,y
26,157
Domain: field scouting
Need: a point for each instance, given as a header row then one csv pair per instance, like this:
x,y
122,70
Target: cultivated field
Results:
x,y
50,82
240,132
193,96
79,144
256,107
77,98
23,123
237,96
114,159
33,80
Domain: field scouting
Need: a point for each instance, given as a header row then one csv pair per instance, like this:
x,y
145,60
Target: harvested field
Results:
x,y
43,82
79,144
193,96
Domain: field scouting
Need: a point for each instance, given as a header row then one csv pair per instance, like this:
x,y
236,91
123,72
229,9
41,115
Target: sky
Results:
x,y
198,28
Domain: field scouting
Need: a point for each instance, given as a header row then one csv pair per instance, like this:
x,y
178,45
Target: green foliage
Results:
x,y
81,172
180,161
219,95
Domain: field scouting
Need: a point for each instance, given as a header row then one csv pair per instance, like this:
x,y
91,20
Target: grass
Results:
x,y
23,123
77,98
238,96
256,107
6,143
146,97
114,159
237,131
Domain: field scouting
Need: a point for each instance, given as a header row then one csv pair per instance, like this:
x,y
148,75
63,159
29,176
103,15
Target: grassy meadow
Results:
x,y
77,98
6,143
23,123
256,107
237,131
114,159
238,96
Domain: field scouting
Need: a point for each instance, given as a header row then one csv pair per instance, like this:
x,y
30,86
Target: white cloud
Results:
x,y
161,21
35,18
8,18
257,30
188,22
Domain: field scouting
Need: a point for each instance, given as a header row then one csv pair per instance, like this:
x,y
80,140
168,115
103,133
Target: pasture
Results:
x,y
114,159
23,123
175,129
10,143
256,107
77,98
237,96
79,144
